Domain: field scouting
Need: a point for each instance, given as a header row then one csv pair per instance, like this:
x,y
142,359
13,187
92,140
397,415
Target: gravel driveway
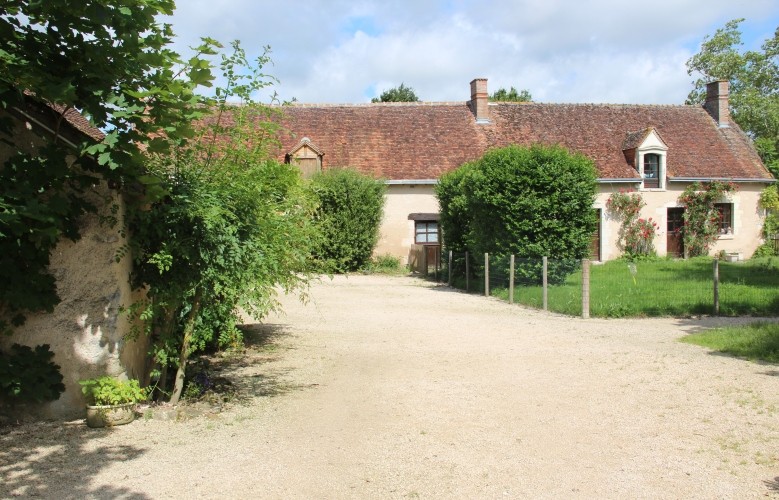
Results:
x,y
391,387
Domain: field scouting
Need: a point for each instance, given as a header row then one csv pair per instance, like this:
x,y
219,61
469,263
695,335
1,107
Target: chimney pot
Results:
x,y
717,102
479,100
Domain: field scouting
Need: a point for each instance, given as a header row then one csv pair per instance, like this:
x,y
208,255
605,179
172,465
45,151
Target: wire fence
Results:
x,y
619,288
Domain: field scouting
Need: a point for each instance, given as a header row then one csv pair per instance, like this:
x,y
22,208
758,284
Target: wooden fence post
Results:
x,y
545,282
424,261
716,287
585,288
486,275
449,281
511,280
467,287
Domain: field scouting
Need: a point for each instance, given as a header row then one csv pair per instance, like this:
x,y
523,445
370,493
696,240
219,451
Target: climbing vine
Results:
x,y
769,201
701,218
636,234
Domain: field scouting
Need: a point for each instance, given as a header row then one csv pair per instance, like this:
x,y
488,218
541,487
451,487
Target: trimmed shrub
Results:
x,y
349,214
530,202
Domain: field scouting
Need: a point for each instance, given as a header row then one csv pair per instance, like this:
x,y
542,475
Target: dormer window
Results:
x,y
646,152
307,156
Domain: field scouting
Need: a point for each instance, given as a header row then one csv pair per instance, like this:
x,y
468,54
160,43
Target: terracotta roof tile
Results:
x,y
424,140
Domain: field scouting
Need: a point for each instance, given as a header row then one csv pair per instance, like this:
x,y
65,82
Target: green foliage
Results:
x,y
29,375
385,264
754,85
397,94
636,235
530,202
349,214
111,391
111,61
234,227
756,341
769,198
503,95
701,219
765,250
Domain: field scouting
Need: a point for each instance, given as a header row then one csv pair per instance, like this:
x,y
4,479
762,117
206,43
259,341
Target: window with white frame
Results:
x,y
724,218
650,156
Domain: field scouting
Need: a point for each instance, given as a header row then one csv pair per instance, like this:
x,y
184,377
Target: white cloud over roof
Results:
x,y
560,50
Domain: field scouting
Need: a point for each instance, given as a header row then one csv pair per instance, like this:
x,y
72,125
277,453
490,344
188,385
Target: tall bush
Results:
x,y
530,202
233,226
348,218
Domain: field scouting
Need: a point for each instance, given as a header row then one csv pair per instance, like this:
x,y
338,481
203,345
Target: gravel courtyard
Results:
x,y
392,387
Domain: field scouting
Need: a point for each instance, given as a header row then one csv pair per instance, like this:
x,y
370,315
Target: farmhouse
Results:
x,y
657,150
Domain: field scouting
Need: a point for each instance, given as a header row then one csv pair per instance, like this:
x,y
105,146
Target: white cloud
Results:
x,y
562,51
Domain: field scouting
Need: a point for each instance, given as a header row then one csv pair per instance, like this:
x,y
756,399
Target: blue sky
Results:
x,y
347,51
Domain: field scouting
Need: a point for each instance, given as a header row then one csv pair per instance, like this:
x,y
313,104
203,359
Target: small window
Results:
x,y
426,233
651,170
725,217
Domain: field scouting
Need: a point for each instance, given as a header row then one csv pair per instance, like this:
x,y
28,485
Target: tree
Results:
x,y
215,223
110,61
529,202
397,94
754,85
503,95
234,226
349,215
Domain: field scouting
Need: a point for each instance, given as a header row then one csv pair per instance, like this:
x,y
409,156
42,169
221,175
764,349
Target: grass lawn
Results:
x,y
663,288
757,341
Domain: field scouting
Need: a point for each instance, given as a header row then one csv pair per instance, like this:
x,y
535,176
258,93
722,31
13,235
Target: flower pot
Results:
x,y
110,415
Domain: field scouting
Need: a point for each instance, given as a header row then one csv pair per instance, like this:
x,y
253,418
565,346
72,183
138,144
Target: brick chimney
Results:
x,y
479,98
717,102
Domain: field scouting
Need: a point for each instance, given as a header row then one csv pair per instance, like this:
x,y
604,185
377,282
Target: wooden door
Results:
x,y
433,254
675,228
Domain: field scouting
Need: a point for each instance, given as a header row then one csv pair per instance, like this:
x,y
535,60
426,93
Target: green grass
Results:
x,y
663,288
385,264
756,341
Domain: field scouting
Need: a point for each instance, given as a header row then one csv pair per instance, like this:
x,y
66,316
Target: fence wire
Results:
x,y
620,288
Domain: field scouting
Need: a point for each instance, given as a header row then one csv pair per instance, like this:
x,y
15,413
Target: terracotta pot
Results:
x,y
110,415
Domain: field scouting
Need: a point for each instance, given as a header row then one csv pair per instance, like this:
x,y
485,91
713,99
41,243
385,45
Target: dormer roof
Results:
x,y
642,138
306,143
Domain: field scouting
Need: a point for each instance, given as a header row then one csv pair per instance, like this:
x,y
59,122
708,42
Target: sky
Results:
x,y
569,51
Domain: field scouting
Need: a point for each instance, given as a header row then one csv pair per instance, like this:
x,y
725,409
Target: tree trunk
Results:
x,y
189,328
163,329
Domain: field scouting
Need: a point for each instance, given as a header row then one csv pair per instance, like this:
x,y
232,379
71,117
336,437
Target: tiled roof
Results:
x,y
425,140
50,113
77,120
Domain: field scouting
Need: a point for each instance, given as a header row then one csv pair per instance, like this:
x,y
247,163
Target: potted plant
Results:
x,y
111,401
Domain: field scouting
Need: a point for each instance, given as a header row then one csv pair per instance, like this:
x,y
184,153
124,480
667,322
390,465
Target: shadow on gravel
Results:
x,y
50,460
263,335
251,373
773,484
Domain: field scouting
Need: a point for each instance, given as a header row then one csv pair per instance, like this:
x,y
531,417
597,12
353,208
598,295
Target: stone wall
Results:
x,y
86,331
